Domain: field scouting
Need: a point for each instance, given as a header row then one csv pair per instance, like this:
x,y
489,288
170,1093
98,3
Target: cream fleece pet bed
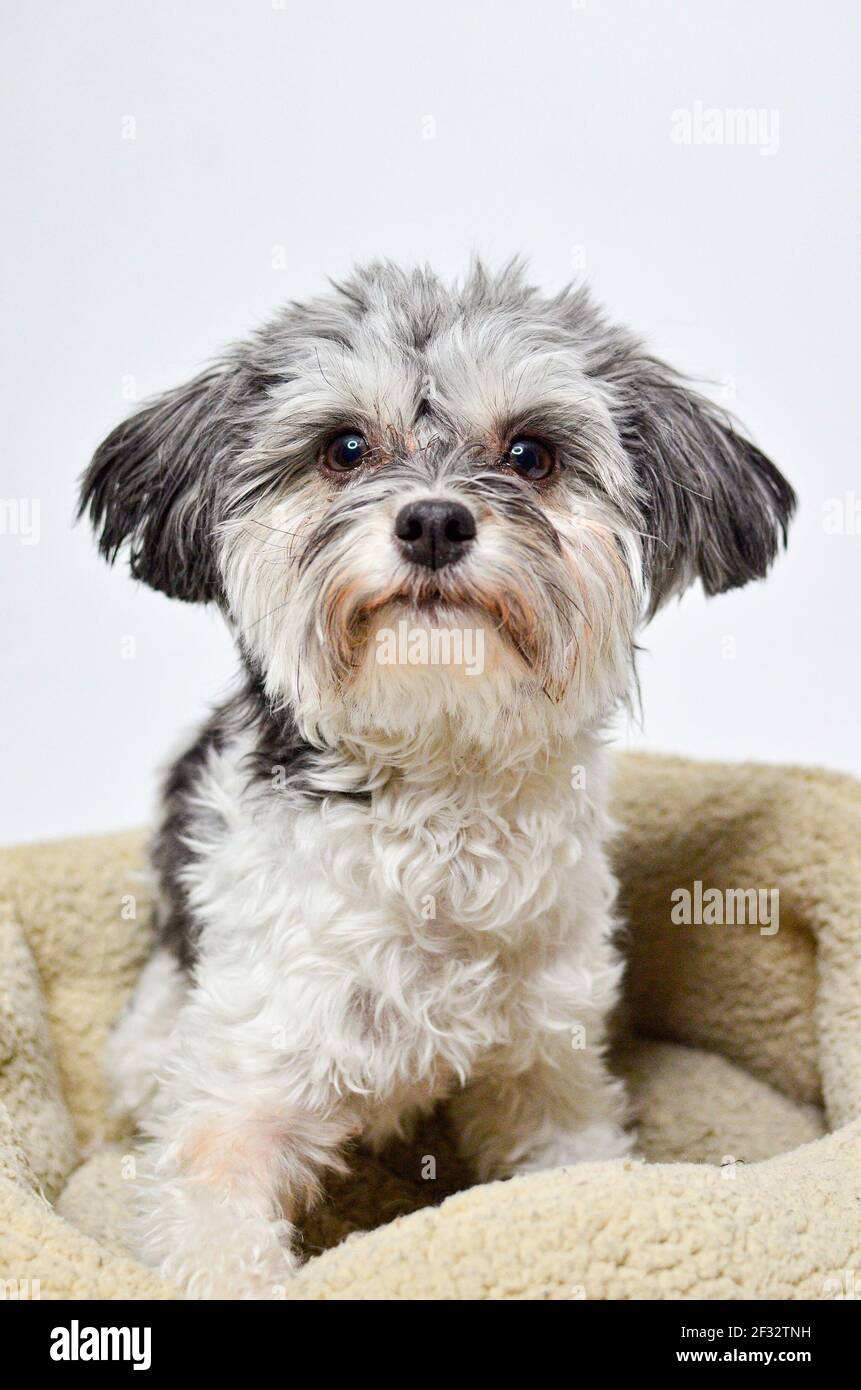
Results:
x,y
743,1057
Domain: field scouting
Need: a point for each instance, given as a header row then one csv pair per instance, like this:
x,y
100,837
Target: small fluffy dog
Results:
x,y
384,883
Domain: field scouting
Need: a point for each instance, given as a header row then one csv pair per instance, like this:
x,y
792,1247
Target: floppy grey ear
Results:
x,y
153,484
714,507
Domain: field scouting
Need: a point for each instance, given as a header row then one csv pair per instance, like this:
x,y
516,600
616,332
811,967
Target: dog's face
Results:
x,y
400,461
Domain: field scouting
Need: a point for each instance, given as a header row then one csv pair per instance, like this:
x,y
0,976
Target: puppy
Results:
x,y
383,883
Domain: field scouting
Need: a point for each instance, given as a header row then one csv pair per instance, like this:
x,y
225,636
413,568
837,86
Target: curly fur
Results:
x,y
385,886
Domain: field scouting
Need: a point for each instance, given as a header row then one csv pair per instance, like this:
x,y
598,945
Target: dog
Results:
x,y
385,884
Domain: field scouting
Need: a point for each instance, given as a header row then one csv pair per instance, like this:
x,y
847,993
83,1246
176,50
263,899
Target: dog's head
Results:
x,y
396,477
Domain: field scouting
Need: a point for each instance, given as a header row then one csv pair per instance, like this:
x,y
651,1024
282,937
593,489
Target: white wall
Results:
x,y
303,126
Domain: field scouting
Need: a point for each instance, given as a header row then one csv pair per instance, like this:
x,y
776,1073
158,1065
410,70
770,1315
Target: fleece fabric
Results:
x,y
741,1044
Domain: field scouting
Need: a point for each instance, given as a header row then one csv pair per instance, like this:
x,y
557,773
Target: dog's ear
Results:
x,y
714,507
152,485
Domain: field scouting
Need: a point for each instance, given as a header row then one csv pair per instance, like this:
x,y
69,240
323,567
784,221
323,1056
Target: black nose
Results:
x,y
433,532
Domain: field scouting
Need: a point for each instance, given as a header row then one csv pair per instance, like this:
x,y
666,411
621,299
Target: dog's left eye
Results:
x,y
346,451
530,458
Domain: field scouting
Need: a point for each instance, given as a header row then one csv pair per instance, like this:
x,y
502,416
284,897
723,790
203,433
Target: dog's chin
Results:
x,y
432,635
484,665
432,664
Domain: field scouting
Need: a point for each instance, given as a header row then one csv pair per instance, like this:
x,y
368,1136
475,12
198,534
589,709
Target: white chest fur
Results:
x,y
360,959
430,918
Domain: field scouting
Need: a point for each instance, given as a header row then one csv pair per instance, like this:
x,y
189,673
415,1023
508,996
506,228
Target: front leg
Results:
x,y
545,1098
238,1139
563,1108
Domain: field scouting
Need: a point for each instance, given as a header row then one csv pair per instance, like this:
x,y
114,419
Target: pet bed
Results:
x,y
741,1045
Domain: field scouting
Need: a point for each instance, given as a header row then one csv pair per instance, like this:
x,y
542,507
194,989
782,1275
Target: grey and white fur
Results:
x,y
385,886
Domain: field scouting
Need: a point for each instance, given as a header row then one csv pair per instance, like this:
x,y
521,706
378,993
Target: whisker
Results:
x,y
276,609
567,599
706,496
255,521
647,536
320,368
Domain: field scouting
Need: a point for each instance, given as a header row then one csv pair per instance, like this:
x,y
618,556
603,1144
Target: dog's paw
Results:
x,y
593,1144
213,1248
249,1260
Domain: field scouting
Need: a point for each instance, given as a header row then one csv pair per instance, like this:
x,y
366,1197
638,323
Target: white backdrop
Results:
x,y
172,171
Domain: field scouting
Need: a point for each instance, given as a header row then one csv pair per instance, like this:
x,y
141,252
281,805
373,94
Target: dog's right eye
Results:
x,y
345,451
